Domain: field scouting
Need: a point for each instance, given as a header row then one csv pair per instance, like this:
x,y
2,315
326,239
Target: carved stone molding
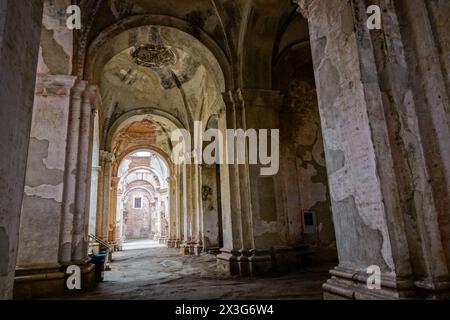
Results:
x,y
78,89
261,98
90,94
106,156
253,98
54,85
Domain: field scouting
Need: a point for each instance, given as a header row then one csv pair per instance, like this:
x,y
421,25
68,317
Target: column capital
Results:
x,y
78,89
90,94
106,156
54,85
253,98
260,97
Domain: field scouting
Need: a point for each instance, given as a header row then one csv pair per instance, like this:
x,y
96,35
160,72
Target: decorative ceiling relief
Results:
x,y
153,56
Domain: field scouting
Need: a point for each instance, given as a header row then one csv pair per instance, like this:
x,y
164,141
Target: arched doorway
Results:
x,y
142,211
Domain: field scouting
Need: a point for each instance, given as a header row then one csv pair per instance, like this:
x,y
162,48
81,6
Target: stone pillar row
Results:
x,y
55,212
74,239
189,211
254,222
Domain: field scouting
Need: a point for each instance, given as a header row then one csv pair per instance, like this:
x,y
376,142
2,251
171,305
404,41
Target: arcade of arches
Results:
x,y
364,119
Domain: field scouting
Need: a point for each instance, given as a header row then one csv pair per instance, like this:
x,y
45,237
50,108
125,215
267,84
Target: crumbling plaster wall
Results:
x,y
43,192
384,111
210,206
56,49
352,167
305,179
20,23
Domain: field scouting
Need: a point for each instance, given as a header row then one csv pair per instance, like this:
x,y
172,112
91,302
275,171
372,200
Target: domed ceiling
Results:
x,y
161,73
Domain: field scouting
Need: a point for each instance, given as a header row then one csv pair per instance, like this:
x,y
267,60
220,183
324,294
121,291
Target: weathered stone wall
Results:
x,y
56,196
43,193
139,223
303,159
211,215
438,12
56,50
20,24
384,112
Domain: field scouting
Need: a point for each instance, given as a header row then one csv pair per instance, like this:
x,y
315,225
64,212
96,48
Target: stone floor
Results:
x,y
158,272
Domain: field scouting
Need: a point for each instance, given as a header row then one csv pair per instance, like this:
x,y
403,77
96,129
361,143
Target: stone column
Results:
x,y
118,224
197,212
386,147
104,194
80,239
93,199
172,182
113,211
258,201
70,174
95,171
20,25
227,260
38,261
186,221
179,213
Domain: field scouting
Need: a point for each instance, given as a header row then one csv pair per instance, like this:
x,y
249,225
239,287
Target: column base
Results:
x,y
346,284
227,262
163,240
170,243
50,281
187,249
212,250
198,249
255,263
244,263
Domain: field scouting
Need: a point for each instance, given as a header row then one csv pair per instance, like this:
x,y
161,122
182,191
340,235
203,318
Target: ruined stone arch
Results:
x,y
154,20
111,46
148,190
165,157
149,177
137,115
261,25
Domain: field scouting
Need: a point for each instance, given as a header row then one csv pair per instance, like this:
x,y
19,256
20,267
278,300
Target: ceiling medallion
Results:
x,y
153,56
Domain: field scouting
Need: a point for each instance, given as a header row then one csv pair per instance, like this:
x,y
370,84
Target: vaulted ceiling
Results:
x,y
211,46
